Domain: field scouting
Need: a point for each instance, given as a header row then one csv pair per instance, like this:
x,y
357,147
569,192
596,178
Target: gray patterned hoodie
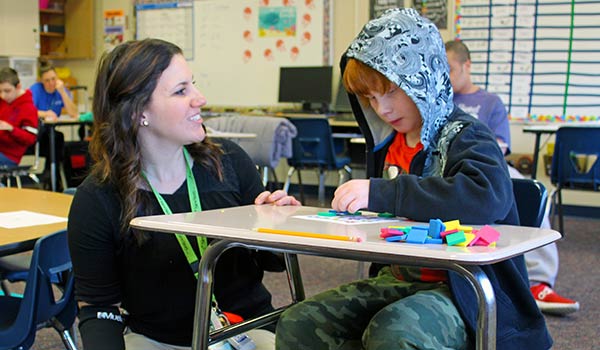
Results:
x,y
460,174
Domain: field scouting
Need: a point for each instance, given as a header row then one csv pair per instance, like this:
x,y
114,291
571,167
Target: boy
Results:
x,y
452,168
18,118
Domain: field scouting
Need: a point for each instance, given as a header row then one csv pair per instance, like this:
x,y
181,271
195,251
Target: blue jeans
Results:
x,y
4,160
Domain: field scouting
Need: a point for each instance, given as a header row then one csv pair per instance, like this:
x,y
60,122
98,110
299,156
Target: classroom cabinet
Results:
x,y
19,33
66,29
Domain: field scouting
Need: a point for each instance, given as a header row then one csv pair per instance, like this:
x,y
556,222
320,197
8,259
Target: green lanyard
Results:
x,y
194,197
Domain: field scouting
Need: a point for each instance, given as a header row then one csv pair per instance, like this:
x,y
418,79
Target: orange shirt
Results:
x,y
400,154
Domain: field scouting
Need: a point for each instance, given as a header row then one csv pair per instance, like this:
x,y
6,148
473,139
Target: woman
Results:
x,y
152,157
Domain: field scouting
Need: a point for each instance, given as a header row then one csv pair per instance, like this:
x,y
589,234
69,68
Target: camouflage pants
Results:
x,y
380,313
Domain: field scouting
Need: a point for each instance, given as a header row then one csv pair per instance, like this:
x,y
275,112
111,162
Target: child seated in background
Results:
x,y
18,118
451,168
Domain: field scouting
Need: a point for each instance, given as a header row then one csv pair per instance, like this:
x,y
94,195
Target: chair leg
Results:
x,y
360,273
4,288
65,334
322,187
286,185
265,176
275,180
561,225
301,187
68,340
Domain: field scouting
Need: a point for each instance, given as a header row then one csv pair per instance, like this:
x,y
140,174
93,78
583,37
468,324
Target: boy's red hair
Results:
x,y
362,80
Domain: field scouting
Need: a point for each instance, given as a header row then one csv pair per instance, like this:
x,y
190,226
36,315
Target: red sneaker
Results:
x,y
550,302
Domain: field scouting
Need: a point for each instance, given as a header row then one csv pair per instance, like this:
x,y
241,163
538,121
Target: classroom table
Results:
x,y
228,232
210,132
52,124
16,240
548,128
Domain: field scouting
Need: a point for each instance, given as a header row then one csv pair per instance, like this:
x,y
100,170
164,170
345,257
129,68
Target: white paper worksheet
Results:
x,y
25,218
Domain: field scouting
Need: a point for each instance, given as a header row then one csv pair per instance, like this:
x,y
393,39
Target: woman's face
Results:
x,y
397,109
173,113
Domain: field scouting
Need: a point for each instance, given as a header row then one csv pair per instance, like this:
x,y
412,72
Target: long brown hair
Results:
x,y
126,78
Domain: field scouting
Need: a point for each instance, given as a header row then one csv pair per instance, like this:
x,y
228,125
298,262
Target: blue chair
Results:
x,y
42,305
531,198
313,148
575,163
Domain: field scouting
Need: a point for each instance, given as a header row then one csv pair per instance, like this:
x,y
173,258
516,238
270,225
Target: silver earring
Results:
x,y
145,122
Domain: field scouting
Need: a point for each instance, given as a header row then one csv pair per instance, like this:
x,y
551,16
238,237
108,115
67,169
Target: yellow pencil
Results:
x,y
307,234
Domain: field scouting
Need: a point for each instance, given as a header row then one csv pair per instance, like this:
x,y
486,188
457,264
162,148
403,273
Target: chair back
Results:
x,y
531,197
41,304
313,146
575,162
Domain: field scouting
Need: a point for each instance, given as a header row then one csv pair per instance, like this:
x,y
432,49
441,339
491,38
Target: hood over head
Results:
x,y
408,50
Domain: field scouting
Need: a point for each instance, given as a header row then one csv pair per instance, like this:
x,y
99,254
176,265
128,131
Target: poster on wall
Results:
x,y
172,21
435,10
241,45
114,28
378,7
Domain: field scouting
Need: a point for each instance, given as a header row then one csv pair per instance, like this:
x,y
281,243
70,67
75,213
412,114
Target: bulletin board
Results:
x,y
541,57
240,45
235,47
172,21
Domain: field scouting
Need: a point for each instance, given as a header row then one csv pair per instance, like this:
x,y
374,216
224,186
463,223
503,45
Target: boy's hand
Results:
x,y
278,197
351,196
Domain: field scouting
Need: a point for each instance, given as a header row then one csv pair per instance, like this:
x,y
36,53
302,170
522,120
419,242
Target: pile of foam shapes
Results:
x,y
451,233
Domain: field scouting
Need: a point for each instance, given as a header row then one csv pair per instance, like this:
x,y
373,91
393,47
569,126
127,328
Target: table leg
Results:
x,y
536,154
206,271
52,160
485,337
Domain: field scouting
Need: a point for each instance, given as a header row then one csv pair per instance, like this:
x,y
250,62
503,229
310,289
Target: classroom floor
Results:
x,y
579,259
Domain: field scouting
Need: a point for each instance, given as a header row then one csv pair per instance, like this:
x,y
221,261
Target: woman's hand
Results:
x,y
351,196
278,197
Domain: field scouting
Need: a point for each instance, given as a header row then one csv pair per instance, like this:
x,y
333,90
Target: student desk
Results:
x,y
45,202
52,124
234,227
550,128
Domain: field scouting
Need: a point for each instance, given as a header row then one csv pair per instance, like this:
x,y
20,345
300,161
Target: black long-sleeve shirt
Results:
x,y
154,282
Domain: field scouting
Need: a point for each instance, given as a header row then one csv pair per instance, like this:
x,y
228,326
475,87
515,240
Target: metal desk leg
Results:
x,y
206,271
536,154
52,160
486,316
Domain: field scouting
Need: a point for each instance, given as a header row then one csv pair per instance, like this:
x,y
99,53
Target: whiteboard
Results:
x,y
540,56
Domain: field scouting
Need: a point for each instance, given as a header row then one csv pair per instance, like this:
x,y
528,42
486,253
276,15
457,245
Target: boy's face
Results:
x,y
8,92
49,81
397,109
460,72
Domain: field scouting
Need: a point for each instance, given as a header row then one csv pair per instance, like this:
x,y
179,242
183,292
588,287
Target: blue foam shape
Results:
x,y
396,238
426,228
416,236
434,241
436,226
